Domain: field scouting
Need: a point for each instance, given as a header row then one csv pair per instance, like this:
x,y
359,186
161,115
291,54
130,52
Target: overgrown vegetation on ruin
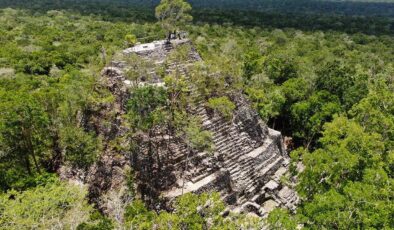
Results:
x,y
327,82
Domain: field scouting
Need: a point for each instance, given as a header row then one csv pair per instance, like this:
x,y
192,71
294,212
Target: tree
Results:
x,y
147,112
252,65
96,222
137,71
346,183
280,69
342,80
23,129
81,148
138,216
206,81
309,116
173,14
196,138
55,205
175,81
375,113
146,108
268,101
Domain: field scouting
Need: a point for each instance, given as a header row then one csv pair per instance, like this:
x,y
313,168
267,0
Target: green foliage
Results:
x,y
81,149
138,216
190,212
15,178
198,139
23,129
309,116
206,81
280,219
252,65
339,79
192,209
173,14
55,205
138,70
280,69
297,75
347,182
223,105
96,222
295,90
268,102
346,152
38,111
375,113
146,108
131,39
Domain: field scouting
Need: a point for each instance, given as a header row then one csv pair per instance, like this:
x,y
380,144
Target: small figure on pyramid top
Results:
x,y
174,15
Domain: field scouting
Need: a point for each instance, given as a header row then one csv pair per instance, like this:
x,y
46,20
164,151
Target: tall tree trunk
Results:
x,y
35,161
31,150
151,184
27,164
57,150
274,123
27,148
309,141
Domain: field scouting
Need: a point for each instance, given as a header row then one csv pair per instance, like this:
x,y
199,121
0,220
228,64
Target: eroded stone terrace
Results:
x,y
249,158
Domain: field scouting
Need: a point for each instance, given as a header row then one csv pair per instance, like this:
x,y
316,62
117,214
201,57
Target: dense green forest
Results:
x,y
375,19
326,80
356,7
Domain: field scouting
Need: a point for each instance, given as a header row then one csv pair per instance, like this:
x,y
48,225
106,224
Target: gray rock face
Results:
x,y
246,166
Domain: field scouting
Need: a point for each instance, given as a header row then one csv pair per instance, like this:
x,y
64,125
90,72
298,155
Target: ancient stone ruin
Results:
x,y
246,167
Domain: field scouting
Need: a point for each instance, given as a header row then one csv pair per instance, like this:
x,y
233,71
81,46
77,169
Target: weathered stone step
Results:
x,y
258,177
191,187
220,139
218,121
272,166
232,156
235,170
251,190
220,130
266,162
223,142
201,176
241,200
237,176
232,168
233,139
178,155
224,130
225,148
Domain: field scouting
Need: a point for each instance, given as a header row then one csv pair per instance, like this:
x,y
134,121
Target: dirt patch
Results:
x,y
7,71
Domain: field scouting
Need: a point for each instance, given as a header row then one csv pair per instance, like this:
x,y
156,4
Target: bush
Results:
x,y
98,222
81,148
131,39
56,205
223,105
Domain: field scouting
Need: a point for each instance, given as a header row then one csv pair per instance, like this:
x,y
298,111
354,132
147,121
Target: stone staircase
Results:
x,y
250,166
249,158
